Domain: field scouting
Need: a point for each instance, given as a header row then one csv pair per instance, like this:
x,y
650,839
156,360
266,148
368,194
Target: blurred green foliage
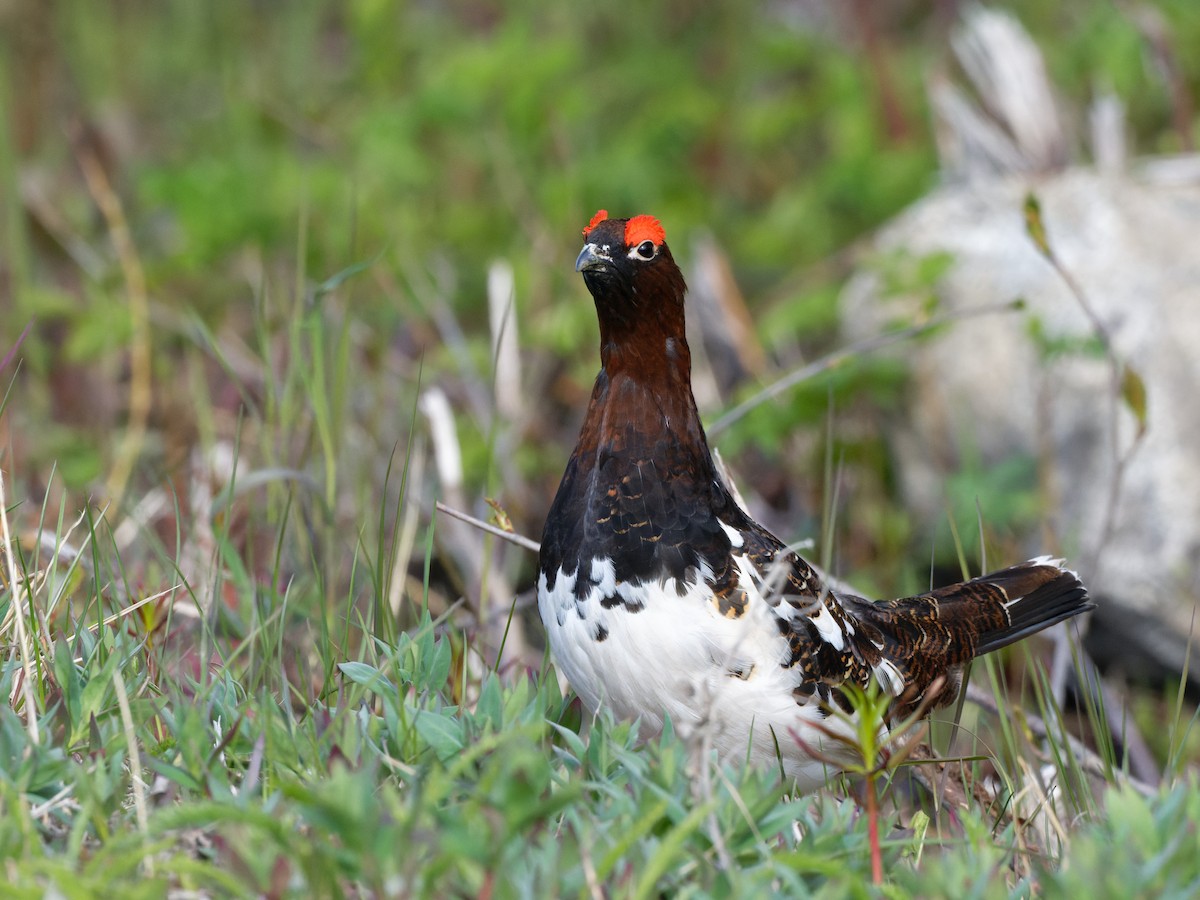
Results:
x,y
464,131
472,130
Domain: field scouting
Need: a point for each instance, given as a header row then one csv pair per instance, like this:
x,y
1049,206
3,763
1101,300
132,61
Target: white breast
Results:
x,y
679,657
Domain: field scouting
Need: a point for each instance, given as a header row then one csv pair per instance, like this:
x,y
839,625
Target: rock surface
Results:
x,y
986,386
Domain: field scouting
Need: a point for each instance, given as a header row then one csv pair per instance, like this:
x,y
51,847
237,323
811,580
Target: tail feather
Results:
x,y
1040,593
928,638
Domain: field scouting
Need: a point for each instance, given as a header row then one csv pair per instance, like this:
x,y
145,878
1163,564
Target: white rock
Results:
x,y
1134,248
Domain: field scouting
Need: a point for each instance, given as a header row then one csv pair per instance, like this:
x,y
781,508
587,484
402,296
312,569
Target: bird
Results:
x,y
662,598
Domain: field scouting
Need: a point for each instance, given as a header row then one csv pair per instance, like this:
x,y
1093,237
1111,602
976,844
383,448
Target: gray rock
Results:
x,y
986,386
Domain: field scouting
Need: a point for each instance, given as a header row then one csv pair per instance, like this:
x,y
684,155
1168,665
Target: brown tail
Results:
x,y
1038,594
928,638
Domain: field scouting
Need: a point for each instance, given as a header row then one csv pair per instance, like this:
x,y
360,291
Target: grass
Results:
x,y
407,766
241,654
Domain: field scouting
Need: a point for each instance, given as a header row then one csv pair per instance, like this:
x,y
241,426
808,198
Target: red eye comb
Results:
x,y
644,228
596,220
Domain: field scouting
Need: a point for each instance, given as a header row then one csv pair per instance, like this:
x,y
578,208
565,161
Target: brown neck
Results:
x,y
658,361
642,327
642,405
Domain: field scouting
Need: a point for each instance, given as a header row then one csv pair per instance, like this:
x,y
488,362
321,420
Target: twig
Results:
x,y
838,357
1157,33
883,84
1126,384
1089,760
511,536
873,830
1118,371
19,589
407,521
62,798
136,778
506,356
12,351
430,295
139,313
122,613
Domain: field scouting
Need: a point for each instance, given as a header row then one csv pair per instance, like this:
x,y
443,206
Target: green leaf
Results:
x,y
436,666
180,776
67,676
489,708
440,731
630,836
1035,226
574,742
368,676
670,850
1133,392
98,688
333,282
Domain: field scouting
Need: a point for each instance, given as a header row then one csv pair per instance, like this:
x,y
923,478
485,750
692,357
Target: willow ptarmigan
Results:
x,y
662,597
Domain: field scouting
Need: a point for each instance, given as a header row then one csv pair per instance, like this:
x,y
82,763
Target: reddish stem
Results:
x,y
873,834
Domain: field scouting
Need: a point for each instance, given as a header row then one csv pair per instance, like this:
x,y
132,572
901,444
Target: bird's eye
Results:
x,y
646,249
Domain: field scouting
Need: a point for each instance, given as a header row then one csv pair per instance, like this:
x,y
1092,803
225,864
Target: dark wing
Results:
x,y
821,636
910,645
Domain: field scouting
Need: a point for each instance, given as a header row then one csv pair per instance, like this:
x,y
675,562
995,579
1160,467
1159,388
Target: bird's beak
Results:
x,y
591,257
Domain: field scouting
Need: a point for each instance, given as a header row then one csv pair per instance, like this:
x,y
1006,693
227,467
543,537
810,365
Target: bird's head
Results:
x,y
629,270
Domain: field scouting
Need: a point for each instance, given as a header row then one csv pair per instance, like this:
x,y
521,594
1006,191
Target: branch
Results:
x,y
511,536
838,357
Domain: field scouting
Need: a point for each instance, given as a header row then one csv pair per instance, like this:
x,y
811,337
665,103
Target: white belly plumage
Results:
x,y
676,656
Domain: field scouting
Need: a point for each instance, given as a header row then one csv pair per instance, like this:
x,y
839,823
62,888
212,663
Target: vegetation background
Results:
x,y
255,263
